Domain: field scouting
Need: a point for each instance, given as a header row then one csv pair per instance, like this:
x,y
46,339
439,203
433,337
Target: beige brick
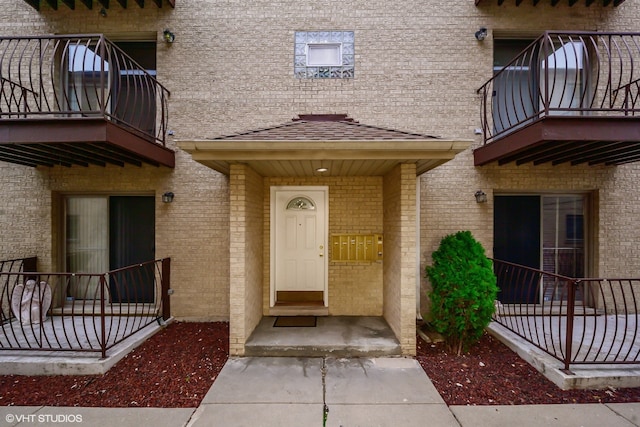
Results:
x,y
230,69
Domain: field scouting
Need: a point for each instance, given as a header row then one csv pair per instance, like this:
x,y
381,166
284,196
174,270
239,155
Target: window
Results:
x,y
549,78
128,94
105,233
545,232
301,204
515,89
324,54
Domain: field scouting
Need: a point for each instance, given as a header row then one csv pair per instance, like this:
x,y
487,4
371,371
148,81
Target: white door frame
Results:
x,y
272,241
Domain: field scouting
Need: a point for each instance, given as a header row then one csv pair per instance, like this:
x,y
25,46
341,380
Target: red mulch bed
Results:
x,y
177,366
173,369
492,374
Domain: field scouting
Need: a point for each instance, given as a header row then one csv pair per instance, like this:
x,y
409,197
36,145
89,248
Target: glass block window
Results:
x,y
324,54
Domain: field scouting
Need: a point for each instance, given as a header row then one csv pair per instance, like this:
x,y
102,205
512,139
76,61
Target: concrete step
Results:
x,y
335,336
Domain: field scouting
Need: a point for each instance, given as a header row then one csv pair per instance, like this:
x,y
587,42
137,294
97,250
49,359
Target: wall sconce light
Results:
x,y
168,36
167,197
481,34
103,12
481,196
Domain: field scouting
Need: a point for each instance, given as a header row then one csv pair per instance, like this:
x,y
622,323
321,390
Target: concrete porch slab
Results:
x,y
581,376
335,336
32,362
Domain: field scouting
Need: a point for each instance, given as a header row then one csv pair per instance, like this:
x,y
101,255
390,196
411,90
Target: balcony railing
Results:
x,y
570,77
18,265
575,320
76,79
85,312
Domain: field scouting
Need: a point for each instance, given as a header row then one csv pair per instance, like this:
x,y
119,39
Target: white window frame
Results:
x,y
311,46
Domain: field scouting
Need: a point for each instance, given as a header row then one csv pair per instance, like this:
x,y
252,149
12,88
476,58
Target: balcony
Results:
x,y
554,3
104,4
578,321
80,312
79,100
569,98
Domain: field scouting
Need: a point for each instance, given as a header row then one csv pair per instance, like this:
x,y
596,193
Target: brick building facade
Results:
x,y
232,68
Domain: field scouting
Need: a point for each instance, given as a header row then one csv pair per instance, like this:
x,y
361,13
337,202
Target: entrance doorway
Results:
x,y
299,217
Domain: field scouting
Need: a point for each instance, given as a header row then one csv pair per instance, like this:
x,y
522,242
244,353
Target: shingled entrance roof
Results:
x,y
334,142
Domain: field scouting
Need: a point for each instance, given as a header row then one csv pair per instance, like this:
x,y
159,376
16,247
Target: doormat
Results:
x,y
295,322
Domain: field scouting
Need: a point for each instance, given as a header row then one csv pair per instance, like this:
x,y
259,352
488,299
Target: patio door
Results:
x,y
103,233
516,237
131,241
545,232
299,241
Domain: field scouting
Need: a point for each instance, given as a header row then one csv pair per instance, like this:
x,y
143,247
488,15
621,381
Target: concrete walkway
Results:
x,y
298,392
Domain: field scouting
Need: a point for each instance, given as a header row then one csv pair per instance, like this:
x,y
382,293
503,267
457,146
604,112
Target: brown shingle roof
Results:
x,y
325,128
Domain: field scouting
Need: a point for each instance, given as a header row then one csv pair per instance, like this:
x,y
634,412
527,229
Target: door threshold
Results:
x,y
299,310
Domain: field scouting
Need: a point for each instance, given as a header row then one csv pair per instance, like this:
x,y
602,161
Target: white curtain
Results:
x,y
87,242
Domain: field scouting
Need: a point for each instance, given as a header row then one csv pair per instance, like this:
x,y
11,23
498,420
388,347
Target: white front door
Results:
x,y
299,240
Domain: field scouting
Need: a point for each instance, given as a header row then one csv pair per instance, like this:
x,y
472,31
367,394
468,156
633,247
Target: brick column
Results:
x,y
400,236
245,255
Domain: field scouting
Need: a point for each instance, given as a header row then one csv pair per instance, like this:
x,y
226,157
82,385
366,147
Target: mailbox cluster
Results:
x,y
356,247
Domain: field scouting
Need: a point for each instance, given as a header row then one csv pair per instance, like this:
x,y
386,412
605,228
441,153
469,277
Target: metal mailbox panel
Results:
x,y
356,247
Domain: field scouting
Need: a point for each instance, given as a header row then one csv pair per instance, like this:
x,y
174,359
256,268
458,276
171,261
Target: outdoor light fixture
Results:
x,y
481,196
169,37
481,34
321,170
167,197
103,12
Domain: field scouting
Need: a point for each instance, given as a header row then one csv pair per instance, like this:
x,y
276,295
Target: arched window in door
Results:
x,y
301,204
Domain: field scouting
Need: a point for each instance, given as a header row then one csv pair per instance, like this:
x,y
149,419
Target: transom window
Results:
x,y
324,54
301,204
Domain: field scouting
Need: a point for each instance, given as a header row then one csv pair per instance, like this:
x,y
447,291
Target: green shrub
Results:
x,y
463,290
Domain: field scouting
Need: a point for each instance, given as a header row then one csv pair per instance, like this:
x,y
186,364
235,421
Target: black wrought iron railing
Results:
x,y
563,74
575,320
18,264
89,312
80,76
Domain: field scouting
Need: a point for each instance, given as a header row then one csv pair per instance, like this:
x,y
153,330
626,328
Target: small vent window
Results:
x,y
324,54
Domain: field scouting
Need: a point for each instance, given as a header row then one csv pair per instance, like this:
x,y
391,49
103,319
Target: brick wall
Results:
x,y
24,214
231,69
